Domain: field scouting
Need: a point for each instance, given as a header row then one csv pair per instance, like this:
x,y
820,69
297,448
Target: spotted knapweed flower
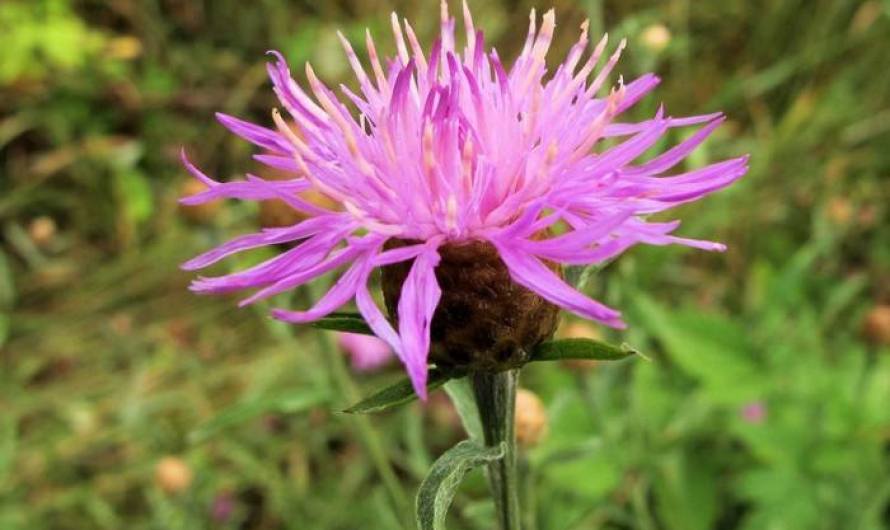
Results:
x,y
468,182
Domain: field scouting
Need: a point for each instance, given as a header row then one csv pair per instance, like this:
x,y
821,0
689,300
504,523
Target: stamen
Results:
x,y
471,33
382,84
400,39
604,73
419,58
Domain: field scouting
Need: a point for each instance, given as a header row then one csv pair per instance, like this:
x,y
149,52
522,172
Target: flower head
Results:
x,y
441,149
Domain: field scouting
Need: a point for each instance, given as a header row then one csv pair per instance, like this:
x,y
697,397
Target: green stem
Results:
x,y
529,500
496,399
345,386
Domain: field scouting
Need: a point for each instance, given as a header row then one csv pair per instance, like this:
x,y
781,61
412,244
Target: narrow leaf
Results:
x,y
438,488
349,322
398,393
588,349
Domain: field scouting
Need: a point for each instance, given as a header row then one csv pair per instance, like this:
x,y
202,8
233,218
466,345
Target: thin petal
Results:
x,y
417,303
339,294
271,236
529,272
255,134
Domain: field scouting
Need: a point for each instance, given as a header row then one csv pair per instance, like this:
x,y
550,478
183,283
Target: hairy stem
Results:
x,y
496,399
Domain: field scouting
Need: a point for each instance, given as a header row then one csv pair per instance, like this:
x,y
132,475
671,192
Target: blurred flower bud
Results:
x,y
41,230
839,210
754,412
197,213
578,329
222,507
172,474
865,16
656,37
367,352
876,326
125,48
276,213
531,419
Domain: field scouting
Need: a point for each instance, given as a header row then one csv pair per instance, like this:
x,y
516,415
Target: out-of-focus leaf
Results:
x,y
398,393
286,403
7,297
135,196
686,488
581,348
438,488
711,348
348,322
7,287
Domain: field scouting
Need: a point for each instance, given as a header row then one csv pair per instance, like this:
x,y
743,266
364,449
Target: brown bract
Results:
x,y
484,320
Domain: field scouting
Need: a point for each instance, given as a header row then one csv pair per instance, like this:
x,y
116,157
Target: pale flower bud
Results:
x,y
42,230
172,474
656,37
531,418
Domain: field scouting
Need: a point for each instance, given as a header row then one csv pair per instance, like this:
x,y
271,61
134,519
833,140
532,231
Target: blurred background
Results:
x,y
127,402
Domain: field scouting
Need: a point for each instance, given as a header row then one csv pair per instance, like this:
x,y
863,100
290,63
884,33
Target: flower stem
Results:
x,y
496,399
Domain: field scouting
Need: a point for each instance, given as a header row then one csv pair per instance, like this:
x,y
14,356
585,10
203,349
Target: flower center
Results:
x,y
484,320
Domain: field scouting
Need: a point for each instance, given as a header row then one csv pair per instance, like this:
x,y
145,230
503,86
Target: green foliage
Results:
x,y
439,487
764,405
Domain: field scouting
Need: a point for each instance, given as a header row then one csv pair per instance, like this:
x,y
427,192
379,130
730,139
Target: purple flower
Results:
x,y
368,353
451,147
222,507
754,412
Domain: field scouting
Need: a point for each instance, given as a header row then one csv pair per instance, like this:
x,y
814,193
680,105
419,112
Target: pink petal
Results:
x,y
339,294
529,272
417,303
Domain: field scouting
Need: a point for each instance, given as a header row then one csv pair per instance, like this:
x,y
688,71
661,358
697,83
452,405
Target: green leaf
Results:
x,y
438,488
461,395
287,403
398,393
348,322
711,348
588,349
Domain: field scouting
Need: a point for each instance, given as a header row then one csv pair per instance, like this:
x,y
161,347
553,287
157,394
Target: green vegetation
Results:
x,y
766,404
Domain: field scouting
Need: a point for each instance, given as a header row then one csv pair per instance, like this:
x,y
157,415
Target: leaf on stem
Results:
x,y
464,401
438,488
348,322
580,348
399,393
